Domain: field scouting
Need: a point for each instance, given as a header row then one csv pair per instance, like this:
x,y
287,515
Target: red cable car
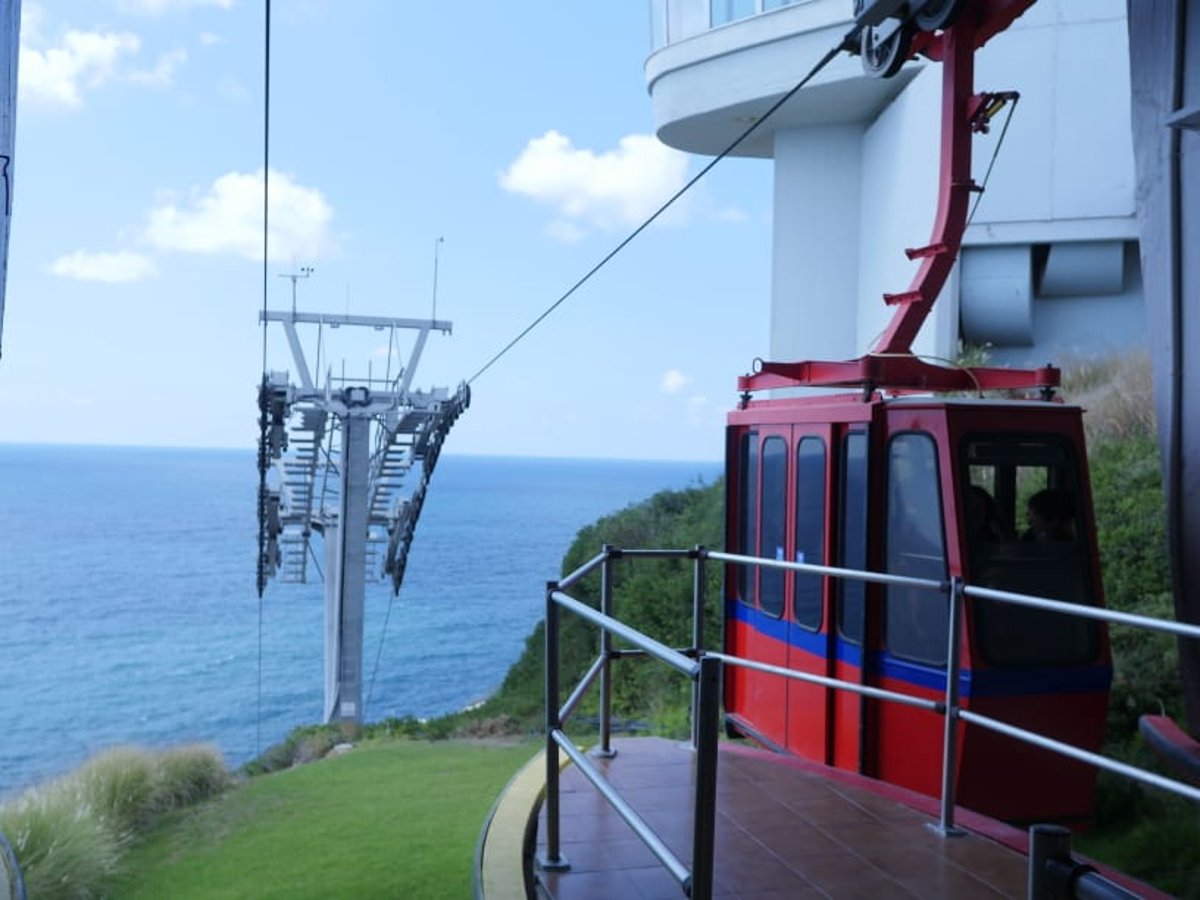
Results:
x,y
899,477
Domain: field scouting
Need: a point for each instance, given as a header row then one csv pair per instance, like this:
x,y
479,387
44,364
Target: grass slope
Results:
x,y
389,819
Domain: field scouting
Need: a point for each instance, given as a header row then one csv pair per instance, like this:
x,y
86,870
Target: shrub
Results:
x,y
302,745
63,850
118,787
69,835
187,775
1131,521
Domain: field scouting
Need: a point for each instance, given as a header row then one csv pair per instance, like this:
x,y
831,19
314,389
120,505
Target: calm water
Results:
x,y
128,611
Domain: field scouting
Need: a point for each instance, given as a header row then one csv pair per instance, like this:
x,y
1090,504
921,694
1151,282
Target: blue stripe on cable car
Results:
x,y
1047,680
980,682
999,682
780,629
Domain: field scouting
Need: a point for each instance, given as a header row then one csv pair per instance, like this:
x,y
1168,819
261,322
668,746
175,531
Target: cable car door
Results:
x,y
769,636
810,636
849,606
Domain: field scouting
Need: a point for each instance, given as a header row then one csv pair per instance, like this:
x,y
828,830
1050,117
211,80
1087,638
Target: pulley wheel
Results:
x,y
884,53
936,15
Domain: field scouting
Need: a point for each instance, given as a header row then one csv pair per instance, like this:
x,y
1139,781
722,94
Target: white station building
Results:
x,y
1049,269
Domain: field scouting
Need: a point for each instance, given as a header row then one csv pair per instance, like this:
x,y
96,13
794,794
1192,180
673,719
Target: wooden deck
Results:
x,y
784,828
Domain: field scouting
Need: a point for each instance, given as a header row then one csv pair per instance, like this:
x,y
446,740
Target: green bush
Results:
x,y
189,774
1131,520
304,744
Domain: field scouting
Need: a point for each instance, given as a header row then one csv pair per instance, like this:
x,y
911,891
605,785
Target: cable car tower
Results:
x,y
349,460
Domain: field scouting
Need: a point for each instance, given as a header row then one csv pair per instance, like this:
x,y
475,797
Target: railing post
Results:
x,y
552,859
698,585
605,750
1046,843
949,742
11,879
704,819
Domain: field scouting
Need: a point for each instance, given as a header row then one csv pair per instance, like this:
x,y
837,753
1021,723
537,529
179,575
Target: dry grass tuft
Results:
x,y
69,835
1116,392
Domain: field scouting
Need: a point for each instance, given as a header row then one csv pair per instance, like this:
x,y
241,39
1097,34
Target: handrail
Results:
x,y
1096,759
705,674
623,809
1179,629
583,570
850,574
851,686
10,870
704,666
659,651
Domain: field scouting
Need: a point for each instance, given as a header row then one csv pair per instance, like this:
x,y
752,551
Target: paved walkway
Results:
x,y
785,829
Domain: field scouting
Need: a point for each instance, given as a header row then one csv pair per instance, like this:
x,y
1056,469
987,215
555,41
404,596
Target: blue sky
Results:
x,y
521,133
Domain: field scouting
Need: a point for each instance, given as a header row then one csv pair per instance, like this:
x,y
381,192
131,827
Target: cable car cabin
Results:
x,y
994,491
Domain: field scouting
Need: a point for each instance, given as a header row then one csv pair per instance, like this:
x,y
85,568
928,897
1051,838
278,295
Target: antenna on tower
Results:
x,y
305,272
437,245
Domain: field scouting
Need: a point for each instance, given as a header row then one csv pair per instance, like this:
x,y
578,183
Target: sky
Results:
x,y
520,134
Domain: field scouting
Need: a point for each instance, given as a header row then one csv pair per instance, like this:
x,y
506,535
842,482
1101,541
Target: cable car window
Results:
x,y
747,512
773,531
916,619
852,542
810,530
1024,534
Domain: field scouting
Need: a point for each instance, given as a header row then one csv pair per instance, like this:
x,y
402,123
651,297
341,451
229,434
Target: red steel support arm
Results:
x,y
961,115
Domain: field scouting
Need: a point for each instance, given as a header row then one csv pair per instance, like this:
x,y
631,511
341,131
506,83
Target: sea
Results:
x,y
129,615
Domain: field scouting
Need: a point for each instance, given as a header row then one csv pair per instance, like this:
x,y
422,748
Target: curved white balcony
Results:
x,y
674,20
720,64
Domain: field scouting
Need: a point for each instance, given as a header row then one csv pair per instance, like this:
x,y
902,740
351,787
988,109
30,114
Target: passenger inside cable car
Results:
x,y
1039,476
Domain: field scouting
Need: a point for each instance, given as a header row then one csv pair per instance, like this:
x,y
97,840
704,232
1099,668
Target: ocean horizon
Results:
x,y
130,614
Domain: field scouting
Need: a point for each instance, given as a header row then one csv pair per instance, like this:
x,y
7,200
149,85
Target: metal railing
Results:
x,y
1049,865
11,881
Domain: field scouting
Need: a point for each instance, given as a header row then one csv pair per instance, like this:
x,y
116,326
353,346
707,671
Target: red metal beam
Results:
x,y
898,374
961,117
890,365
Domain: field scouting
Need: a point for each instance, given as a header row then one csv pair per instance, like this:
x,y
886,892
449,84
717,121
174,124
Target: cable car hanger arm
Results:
x,y
890,365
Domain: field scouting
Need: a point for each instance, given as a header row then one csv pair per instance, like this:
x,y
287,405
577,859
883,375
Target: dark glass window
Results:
x,y
852,541
810,529
747,513
1024,533
773,532
916,619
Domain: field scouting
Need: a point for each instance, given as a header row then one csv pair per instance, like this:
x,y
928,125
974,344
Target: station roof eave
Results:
x,y
707,89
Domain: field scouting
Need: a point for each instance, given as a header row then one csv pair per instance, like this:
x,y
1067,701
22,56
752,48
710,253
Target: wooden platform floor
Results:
x,y
784,829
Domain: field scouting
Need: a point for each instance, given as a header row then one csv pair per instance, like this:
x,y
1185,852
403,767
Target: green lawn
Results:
x,y
389,819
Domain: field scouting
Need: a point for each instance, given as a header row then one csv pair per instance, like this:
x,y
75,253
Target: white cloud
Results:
x,y
210,39
163,73
567,232
57,76
112,268
606,190
158,7
227,218
733,214
233,90
673,381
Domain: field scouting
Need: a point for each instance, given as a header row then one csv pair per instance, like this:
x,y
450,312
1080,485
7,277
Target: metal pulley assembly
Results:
x,y
888,28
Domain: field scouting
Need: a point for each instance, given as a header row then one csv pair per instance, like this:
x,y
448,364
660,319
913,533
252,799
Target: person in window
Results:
x,y
1051,516
983,518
